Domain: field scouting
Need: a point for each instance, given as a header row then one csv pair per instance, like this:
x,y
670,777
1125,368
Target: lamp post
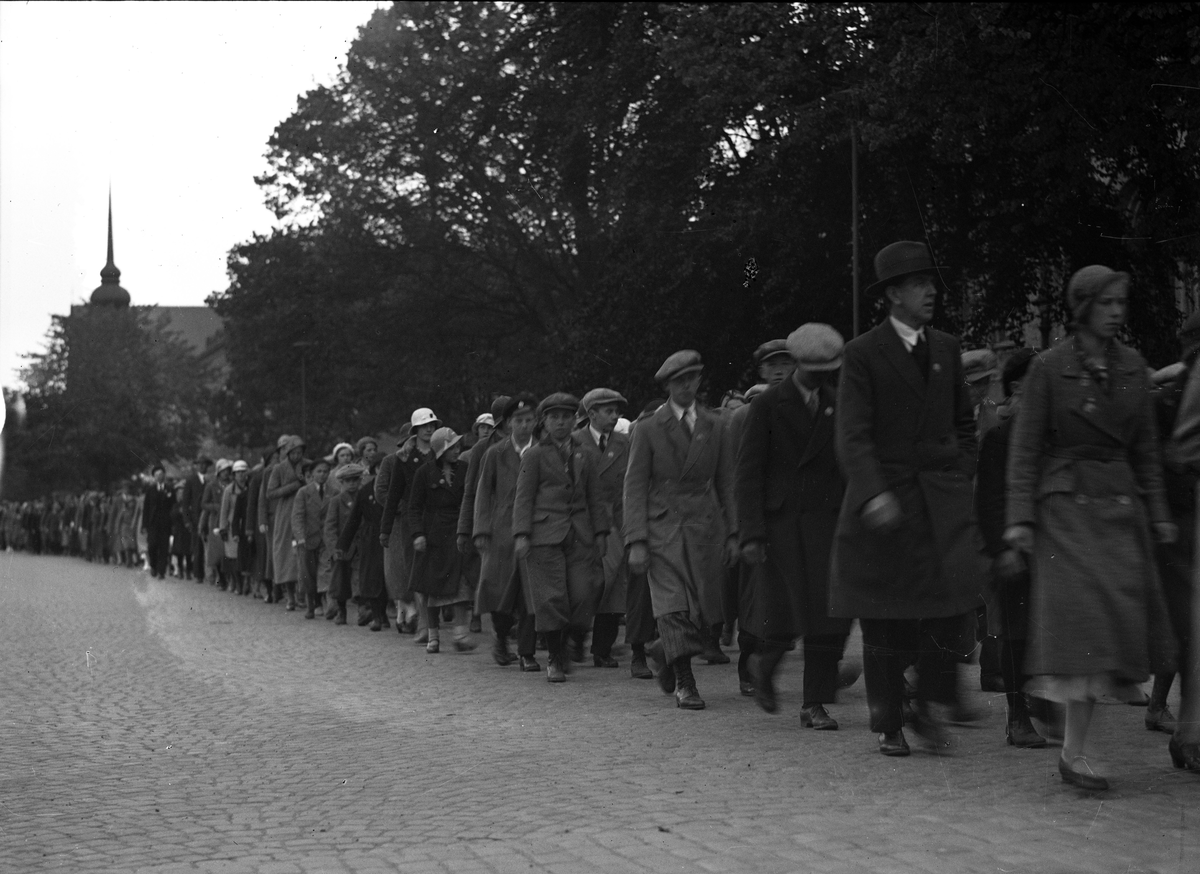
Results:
x,y
303,345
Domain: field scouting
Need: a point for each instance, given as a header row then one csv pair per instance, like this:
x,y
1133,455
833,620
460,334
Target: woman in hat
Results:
x,y
210,523
1085,499
125,527
362,526
181,537
284,481
434,499
343,583
238,557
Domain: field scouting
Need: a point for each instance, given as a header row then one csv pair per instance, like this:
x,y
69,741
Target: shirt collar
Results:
x,y
679,412
908,335
521,449
596,435
805,392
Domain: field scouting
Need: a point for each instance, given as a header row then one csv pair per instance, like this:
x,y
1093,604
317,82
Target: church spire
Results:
x,y
110,291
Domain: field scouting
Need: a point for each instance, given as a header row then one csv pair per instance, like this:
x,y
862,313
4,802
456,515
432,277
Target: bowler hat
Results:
x,y
598,396
679,363
770,349
899,260
816,347
560,400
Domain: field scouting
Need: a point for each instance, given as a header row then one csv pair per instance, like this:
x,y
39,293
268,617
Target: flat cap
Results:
x,y
770,349
683,361
979,364
350,471
816,347
560,400
520,403
598,396
754,391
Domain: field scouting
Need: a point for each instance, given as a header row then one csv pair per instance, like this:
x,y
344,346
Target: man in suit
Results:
x,y
602,408
559,531
156,523
907,559
789,491
193,497
680,523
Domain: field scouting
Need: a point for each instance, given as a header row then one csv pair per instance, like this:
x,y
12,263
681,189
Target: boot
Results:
x,y
500,651
747,647
434,643
1158,716
686,696
310,610
1019,731
666,671
712,647
340,618
291,596
764,663
638,669
476,624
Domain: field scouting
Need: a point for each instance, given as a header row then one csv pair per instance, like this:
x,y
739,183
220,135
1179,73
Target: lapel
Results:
x,y
822,428
1090,402
552,462
893,349
701,437
678,440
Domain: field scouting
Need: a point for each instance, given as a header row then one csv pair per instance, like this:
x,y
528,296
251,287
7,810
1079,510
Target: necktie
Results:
x,y
687,425
920,354
603,443
321,492
814,402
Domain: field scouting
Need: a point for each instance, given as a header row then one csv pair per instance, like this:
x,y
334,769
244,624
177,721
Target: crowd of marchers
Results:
x,y
1035,512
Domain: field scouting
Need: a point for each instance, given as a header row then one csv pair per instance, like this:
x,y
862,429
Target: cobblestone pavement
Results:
x,y
162,726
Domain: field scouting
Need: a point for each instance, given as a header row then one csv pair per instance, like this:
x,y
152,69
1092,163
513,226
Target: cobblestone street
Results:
x,y
163,726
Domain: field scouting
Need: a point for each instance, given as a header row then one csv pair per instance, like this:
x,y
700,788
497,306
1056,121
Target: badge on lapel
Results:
x,y
937,368
829,411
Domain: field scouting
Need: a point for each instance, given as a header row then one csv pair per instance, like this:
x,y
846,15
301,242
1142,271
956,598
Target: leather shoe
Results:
x,y
433,646
815,716
340,619
687,698
892,743
1184,755
554,672
604,661
1021,734
1160,720
363,617
501,653
310,613
746,688
930,729
376,625
421,638
638,669
529,664
576,651
713,655
465,645
331,613
1085,779
476,625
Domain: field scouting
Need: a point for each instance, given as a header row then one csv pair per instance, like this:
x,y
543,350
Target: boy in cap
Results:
x,y
680,523
559,530
602,408
789,491
308,520
344,584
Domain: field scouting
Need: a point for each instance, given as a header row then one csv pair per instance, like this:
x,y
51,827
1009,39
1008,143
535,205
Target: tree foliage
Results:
x,y
114,391
495,197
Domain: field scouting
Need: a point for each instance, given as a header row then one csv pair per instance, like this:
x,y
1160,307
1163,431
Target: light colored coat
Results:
x,y
281,491
678,500
610,469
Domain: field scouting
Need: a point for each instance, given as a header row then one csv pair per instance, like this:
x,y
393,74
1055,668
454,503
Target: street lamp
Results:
x,y
302,345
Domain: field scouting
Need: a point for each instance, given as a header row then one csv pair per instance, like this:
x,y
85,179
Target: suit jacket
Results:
x,y
789,490
911,434
678,500
610,469
156,517
308,516
552,500
193,494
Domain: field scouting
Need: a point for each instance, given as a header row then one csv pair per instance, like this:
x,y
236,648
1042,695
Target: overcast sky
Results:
x,y
173,104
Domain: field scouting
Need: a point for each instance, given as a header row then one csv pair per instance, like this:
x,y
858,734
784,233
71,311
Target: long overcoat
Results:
x,y
610,471
1084,469
343,582
495,492
678,500
434,502
789,491
901,431
394,517
281,490
365,516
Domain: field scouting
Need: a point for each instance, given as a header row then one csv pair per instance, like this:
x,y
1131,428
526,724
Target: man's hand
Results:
x,y
521,546
419,543
639,557
482,541
754,552
463,543
1019,537
882,512
262,529
1008,565
731,551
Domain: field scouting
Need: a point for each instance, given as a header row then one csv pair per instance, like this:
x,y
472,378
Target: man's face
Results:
x,y
351,485
522,426
558,424
776,369
683,388
241,476
321,473
913,299
604,417
815,379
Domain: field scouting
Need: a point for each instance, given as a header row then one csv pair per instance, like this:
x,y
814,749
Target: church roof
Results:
x,y
109,291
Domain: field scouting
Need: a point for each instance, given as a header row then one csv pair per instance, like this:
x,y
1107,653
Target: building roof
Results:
x,y
109,291
196,326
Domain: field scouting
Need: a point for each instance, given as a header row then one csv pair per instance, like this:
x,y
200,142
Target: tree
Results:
x,y
113,392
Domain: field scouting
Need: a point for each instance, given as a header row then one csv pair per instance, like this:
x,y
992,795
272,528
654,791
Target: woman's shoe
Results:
x,y
1185,755
433,646
1084,780
1160,719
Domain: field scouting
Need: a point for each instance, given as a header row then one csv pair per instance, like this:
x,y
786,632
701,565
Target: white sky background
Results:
x,y
173,104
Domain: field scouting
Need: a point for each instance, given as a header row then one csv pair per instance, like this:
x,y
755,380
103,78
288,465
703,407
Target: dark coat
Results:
x,y
193,496
363,523
610,470
344,582
156,511
900,431
678,500
495,493
1084,470
433,507
399,556
789,491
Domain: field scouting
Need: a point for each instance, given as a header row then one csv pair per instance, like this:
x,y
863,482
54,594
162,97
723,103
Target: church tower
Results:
x,y
109,292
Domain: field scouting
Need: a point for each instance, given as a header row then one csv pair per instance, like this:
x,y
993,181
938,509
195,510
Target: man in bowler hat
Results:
x,y
680,523
907,559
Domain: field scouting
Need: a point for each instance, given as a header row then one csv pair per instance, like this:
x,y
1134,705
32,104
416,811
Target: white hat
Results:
x,y
622,426
239,466
484,419
223,464
424,416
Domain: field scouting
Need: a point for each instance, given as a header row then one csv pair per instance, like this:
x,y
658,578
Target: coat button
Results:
x,y
1081,499
1123,499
